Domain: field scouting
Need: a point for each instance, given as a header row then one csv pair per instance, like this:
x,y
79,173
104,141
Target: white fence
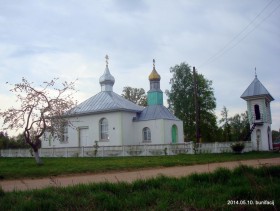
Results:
x,y
128,150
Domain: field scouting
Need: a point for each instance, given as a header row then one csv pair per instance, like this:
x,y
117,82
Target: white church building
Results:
x,y
112,120
259,114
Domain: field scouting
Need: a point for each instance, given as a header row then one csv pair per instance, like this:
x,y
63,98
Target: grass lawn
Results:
x,y
13,168
240,189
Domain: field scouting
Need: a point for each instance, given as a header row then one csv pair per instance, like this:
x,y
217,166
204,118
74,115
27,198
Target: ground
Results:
x,y
127,176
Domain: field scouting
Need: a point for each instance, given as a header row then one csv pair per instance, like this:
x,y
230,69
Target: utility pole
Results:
x,y
197,116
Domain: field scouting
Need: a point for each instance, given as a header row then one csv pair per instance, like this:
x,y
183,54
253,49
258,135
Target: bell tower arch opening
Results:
x,y
257,112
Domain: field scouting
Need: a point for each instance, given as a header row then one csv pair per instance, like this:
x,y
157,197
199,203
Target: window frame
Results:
x,y
64,139
103,129
146,135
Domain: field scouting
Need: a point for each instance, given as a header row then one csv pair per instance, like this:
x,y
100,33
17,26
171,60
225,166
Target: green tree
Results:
x,y
135,95
225,124
181,102
4,140
17,142
239,125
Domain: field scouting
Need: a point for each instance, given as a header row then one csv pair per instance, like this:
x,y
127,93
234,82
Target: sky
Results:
x,y
224,39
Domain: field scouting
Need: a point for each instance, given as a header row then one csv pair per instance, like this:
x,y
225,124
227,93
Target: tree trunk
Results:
x,y
37,157
36,148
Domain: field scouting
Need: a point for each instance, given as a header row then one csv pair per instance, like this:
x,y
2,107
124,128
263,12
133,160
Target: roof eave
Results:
x,y
102,111
254,97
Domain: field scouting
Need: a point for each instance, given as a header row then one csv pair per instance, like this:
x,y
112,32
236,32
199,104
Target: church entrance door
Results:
x,y
84,139
174,134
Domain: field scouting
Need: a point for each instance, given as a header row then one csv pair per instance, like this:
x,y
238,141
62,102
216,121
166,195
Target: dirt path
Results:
x,y
178,171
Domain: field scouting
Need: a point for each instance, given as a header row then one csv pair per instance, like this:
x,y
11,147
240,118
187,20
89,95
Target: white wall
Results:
x,y
122,131
128,128
118,122
168,131
156,128
161,132
265,140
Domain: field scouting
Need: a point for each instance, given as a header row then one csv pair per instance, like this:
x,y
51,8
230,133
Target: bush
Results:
x,y
237,147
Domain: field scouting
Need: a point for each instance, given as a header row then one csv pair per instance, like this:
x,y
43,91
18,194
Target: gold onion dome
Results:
x,y
154,74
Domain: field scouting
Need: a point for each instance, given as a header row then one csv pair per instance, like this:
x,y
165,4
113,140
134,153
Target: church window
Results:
x,y
257,112
146,134
103,128
64,134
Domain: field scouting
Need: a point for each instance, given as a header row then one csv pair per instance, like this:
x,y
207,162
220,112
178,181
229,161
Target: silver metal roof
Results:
x,y
256,89
156,112
105,102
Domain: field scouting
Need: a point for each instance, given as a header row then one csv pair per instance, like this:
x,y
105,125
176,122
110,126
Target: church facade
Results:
x,y
111,120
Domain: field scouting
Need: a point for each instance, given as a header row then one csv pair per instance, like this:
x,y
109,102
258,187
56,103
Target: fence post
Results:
x,y
123,150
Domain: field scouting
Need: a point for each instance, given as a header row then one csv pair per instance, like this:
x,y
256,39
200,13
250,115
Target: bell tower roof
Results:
x,y
256,90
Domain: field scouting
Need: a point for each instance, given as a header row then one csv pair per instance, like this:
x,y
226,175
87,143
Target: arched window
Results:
x,y
174,132
257,112
146,134
63,138
65,134
103,130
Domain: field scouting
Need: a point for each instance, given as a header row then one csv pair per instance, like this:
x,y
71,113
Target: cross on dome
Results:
x,y
256,72
107,58
154,75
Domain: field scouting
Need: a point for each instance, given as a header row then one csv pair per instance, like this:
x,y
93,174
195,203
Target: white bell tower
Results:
x,y
259,114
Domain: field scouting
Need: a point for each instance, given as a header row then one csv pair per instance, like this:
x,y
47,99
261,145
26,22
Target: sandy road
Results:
x,y
127,176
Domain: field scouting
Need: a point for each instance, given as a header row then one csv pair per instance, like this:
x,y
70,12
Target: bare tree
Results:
x,y
41,108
